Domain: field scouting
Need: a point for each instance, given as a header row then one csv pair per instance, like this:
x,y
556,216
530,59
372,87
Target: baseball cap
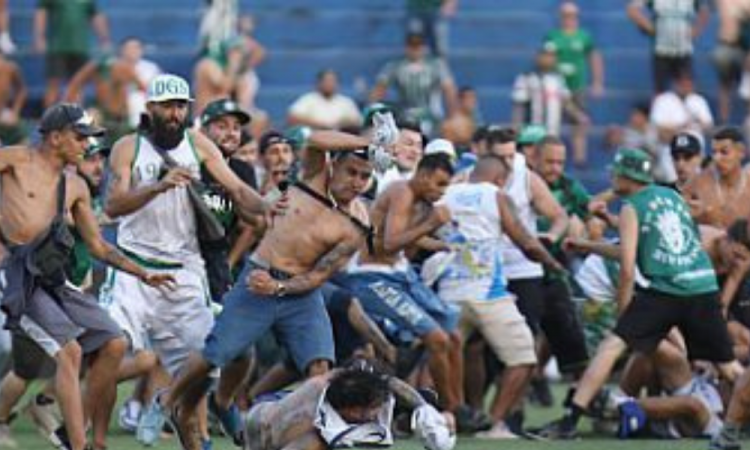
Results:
x,y
687,144
270,138
63,115
443,146
531,134
371,109
633,163
224,107
97,146
168,87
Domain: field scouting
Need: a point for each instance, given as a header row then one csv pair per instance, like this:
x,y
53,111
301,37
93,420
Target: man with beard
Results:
x,y
222,123
158,225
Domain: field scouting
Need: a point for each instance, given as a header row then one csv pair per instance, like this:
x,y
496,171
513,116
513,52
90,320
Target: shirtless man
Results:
x,y
39,300
218,74
390,289
323,228
12,101
113,77
720,194
343,408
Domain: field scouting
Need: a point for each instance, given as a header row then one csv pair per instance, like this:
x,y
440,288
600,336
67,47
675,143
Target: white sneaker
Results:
x,y
130,414
498,431
6,440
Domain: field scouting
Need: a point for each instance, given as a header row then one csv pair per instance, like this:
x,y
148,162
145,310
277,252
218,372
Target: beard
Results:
x,y
165,134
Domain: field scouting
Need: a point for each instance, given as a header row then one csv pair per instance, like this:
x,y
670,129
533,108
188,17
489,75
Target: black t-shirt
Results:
x,y
217,198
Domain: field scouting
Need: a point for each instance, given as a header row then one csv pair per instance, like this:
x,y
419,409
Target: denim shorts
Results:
x,y
299,322
403,299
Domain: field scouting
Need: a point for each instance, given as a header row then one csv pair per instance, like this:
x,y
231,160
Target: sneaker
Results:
x,y
43,413
151,422
207,444
632,419
725,440
6,440
129,416
498,431
559,429
515,421
61,436
229,419
470,420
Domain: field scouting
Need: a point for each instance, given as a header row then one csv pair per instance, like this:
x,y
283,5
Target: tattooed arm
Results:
x,y
262,283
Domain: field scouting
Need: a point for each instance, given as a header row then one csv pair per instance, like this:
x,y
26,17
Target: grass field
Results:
x,y
29,439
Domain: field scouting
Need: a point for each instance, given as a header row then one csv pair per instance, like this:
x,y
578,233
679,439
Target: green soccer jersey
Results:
x,y
572,51
68,25
670,255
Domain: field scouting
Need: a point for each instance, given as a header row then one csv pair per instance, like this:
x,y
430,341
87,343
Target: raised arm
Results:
x,y
636,15
19,88
545,204
40,29
79,81
248,204
516,231
122,198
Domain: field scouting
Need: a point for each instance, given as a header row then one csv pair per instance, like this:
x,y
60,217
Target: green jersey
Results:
x,y
574,198
68,25
573,50
670,255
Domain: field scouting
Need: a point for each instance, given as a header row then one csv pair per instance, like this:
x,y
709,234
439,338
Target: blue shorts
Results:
x,y
402,298
299,322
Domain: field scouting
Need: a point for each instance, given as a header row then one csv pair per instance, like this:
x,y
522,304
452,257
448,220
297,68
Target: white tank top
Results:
x,y
164,229
518,188
476,271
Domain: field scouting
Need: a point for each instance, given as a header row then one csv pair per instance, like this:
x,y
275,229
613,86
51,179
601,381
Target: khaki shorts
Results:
x,y
503,327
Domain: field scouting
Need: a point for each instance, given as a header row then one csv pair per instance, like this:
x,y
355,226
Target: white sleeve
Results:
x,y
301,106
699,109
521,89
350,112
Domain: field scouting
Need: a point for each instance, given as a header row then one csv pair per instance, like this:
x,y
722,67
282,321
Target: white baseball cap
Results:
x,y
441,146
168,87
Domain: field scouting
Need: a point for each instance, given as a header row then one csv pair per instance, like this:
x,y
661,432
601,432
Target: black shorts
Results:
x,y
667,68
63,65
651,315
30,362
739,309
529,300
563,327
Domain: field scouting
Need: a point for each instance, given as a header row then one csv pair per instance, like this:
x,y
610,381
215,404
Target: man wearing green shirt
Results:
x,y
679,289
575,52
62,31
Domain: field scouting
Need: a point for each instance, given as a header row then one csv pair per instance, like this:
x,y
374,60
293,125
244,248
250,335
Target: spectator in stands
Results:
x,y
430,19
731,49
62,31
6,43
419,81
113,78
218,74
640,132
219,24
541,95
12,101
460,126
325,107
673,25
146,70
254,54
575,52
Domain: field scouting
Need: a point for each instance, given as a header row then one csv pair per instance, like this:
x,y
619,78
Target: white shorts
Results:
x,y
172,323
503,327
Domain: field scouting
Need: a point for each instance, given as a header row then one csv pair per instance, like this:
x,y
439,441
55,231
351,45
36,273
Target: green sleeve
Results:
x,y
581,198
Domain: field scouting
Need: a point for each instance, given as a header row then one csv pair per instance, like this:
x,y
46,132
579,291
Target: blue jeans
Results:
x,y
299,322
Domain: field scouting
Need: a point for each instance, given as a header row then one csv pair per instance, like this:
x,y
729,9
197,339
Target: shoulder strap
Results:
x,y
61,185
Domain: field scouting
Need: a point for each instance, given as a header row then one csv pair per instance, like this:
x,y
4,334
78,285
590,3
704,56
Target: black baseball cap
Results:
x,y
69,115
687,144
224,107
270,138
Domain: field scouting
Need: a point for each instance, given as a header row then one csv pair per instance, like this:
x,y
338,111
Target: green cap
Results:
x,y
298,136
634,164
370,111
97,146
224,107
531,134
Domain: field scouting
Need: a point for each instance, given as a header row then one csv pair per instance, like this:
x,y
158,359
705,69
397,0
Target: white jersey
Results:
x,y
518,188
476,270
339,434
163,230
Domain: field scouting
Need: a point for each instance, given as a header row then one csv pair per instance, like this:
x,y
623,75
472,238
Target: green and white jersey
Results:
x,y
162,232
670,255
418,85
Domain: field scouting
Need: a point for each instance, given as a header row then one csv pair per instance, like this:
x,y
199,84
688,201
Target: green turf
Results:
x,y
28,439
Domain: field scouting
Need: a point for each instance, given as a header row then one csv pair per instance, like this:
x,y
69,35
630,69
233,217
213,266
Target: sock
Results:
x,y
573,415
